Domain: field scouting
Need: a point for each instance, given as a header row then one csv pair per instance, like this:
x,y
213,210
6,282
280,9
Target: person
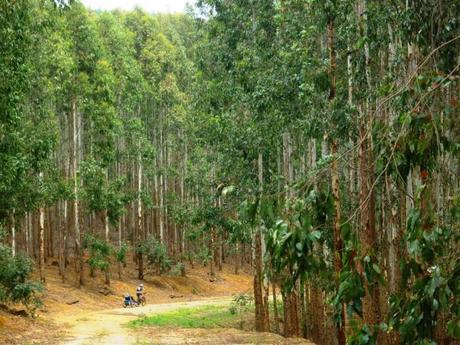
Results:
x,y
129,300
139,292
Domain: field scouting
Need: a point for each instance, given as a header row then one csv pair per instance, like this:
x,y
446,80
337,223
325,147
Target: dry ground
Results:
x,y
98,317
109,328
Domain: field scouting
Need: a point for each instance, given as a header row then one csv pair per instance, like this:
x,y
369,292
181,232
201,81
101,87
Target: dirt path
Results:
x,y
108,327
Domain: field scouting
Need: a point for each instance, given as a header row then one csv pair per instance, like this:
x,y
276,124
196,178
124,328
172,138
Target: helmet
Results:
x,y
142,285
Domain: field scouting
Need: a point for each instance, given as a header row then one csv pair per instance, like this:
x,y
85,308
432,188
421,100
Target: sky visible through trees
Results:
x,y
315,141
157,6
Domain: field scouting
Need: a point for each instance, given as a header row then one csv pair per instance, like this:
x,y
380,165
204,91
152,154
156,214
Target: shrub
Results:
x,y
14,284
203,256
157,254
241,303
120,253
178,270
99,253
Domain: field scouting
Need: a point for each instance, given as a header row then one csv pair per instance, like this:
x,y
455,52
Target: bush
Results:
x,y
14,284
241,303
99,253
156,254
120,253
203,256
178,270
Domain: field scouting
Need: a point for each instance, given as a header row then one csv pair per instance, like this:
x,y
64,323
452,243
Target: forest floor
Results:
x,y
93,314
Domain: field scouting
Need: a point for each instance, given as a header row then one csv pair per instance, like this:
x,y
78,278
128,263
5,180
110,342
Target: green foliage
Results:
x,y
178,270
350,292
203,256
100,253
15,285
156,253
195,101
117,198
432,283
210,316
241,303
290,243
363,336
94,192
120,253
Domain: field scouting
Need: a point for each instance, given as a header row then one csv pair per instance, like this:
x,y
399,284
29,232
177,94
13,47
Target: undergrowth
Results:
x,y
210,316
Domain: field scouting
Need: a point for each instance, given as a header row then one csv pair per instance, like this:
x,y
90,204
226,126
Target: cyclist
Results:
x,y
140,292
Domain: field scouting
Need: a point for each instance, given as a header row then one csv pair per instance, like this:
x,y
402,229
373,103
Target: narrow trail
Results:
x,y
108,327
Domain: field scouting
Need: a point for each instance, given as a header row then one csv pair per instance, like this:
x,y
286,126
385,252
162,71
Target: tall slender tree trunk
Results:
x,y
119,264
62,239
13,233
42,238
106,213
338,244
161,211
211,251
368,237
290,298
275,309
258,281
27,233
260,307
237,258
303,309
140,257
78,249
31,234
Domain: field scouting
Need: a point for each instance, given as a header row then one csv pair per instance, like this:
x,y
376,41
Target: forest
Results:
x,y
315,141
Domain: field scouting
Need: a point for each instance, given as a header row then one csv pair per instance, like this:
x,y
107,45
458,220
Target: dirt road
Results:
x,y
108,327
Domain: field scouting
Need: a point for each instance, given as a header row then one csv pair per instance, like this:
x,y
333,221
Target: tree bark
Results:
x,y
291,314
13,233
78,249
63,240
42,238
140,257
338,244
237,259
261,309
275,309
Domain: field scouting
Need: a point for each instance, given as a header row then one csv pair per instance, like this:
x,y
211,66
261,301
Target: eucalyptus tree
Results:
x,y
15,58
85,52
119,47
241,44
322,134
324,71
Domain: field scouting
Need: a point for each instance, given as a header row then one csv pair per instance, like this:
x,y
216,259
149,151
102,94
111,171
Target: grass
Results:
x,y
209,316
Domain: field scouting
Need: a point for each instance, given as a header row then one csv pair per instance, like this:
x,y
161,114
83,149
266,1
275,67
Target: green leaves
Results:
x,y
453,328
350,292
430,278
156,253
363,336
15,285
99,253
120,253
